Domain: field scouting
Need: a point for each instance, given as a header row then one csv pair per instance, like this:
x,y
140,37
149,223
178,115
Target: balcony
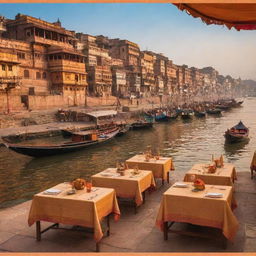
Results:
x,y
66,65
42,40
9,82
8,57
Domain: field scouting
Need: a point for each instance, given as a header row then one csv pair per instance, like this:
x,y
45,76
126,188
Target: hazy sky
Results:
x,y
161,28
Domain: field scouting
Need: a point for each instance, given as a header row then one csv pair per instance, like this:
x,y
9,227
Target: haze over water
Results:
x,y
188,142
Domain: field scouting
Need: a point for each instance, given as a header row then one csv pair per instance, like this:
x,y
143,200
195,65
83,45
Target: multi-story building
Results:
x,y
134,83
100,80
125,50
148,83
119,83
171,76
48,61
10,81
88,45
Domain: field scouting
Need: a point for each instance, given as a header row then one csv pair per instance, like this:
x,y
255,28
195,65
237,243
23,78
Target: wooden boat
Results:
x,y
186,114
173,116
199,114
141,124
80,140
123,130
213,111
161,117
237,133
223,107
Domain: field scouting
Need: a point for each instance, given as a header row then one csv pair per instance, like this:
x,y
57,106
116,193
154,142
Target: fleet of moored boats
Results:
x,y
103,133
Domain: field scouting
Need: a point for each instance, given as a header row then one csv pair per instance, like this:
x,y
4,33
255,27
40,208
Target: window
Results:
x,y
21,55
10,67
3,67
26,73
44,75
76,78
38,75
31,90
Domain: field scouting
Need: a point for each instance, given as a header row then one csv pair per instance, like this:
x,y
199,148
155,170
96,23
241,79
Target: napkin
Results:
x,y
214,195
106,174
180,185
52,191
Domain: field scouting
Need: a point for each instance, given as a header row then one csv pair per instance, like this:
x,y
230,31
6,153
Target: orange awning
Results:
x,y
238,16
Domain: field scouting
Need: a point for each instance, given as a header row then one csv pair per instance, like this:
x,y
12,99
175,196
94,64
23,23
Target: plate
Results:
x,y
214,195
106,174
180,185
52,191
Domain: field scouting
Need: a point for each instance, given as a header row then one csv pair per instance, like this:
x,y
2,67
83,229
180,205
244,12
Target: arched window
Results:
x,y
26,73
38,75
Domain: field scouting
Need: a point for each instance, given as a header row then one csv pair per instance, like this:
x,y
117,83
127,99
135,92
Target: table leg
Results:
x,y
144,196
38,231
166,230
224,243
108,225
162,181
97,246
168,177
135,207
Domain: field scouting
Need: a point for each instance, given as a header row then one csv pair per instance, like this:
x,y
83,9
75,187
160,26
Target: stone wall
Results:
x,y
14,103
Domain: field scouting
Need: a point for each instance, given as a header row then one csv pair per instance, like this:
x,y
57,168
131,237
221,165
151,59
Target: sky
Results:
x,y
161,28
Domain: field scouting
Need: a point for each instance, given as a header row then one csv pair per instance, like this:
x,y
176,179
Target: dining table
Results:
x,y
62,204
225,175
160,166
130,183
211,207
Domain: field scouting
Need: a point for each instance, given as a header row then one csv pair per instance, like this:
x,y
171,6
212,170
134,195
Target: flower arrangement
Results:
x,y
79,184
199,184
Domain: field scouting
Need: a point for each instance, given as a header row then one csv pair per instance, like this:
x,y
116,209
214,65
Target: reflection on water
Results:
x,y
187,141
235,148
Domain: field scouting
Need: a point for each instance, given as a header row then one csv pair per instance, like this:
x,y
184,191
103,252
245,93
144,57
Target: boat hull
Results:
x,y
41,151
214,112
137,126
200,114
235,138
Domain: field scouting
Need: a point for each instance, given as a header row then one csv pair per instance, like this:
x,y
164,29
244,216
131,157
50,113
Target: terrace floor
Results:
x,y
133,232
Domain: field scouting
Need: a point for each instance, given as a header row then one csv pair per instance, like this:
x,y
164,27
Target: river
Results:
x,y
187,142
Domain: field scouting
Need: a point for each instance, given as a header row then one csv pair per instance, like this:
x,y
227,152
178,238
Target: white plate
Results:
x,y
214,195
52,191
180,185
106,174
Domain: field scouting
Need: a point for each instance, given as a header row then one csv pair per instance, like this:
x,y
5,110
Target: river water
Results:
x,y
188,142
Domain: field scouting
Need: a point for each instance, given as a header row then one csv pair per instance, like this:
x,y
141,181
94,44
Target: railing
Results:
x,y
10,80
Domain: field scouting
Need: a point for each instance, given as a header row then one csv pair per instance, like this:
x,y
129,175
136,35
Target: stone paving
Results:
x,y
133,232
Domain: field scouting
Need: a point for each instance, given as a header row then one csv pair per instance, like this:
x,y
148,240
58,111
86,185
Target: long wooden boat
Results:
x,y
162,117
223,107
78,142
237,133
186,114
173,116
123,130
214,111
141,125
199,114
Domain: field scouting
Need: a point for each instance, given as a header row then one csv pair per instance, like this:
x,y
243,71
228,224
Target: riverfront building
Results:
x,y
44,65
